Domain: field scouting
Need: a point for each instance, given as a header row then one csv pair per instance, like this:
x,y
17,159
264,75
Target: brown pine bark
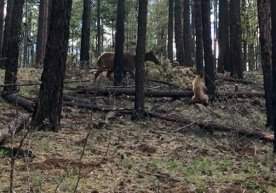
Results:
x,y
207,45
170,31
235,39
223,42
12,49
139,105
199,40
187,36
273,32
85,34
99,25
6,37
265,41
42,33
48,111
2,6
119,47
178,32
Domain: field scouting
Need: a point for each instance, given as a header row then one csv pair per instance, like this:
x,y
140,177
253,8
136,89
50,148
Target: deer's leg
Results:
x,y
99,71
108,74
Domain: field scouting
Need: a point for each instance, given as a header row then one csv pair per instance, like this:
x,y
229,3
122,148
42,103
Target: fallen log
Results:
x,y
20,102
162,82
174,118
213,126
176,93
97,108
104,91
238,81
14,127
75,99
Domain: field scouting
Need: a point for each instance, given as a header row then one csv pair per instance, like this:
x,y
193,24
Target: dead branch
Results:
x,y
212,126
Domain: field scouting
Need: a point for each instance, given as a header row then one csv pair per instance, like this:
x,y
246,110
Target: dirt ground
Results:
x,y
152,156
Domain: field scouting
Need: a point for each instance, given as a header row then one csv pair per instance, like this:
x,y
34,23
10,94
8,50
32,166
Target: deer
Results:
x,y
106,62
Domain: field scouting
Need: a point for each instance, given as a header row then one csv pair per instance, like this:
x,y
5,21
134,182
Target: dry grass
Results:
x,y
126,156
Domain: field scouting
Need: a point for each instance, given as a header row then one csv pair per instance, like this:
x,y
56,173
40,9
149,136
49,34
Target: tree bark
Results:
x,y
265,41
273,32
187,36
199,40
139,104
223,61
85,34
170,31
178,32
26,35
12,50
119,47
235,39
6,37
207,44
2,7
47,115
42,33
98,25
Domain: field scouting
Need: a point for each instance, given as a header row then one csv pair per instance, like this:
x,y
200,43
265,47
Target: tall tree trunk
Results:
x,y
193,43
207,44
244,58
6,37
139,105
26,34
215,30
199,40
178,33
2,7
42,33
48,112
85,34
236,39
251,56
119,47
244,36
12,49
273,32
187,36
265,40
98,25
170,31
223,62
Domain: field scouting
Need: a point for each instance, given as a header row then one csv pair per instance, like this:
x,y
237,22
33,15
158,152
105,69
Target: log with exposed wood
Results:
x,y
21,121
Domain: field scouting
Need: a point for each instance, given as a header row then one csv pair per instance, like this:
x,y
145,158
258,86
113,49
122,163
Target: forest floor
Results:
x,y
149,156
